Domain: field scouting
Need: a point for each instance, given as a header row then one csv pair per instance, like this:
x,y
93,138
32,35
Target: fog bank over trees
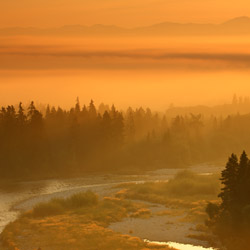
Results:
x,y
57,142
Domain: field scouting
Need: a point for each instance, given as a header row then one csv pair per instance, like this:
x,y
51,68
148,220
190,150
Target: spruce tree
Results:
x,y
21,117
35,117
242,181
229,180
77,106
92,110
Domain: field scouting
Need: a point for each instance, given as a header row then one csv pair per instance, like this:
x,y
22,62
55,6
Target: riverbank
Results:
x,y
80,221
85,221
177,207
108,186
16,197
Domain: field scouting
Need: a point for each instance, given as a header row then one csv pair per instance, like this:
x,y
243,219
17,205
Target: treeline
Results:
x,y
86,138
231,219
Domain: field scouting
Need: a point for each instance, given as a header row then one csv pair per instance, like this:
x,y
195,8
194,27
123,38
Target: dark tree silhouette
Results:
x,y
229,180
231,220
55,142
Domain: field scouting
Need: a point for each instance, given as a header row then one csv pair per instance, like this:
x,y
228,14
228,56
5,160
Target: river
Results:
x,y
20,196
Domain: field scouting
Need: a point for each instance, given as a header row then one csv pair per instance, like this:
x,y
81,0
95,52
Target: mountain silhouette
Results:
x,y
244,20
236,26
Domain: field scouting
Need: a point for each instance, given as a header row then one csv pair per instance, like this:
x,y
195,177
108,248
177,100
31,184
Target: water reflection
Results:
x,y
180,246
19,196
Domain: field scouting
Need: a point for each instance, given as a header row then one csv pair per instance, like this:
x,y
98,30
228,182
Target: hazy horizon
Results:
x,y
124,13
158,96
188,21
127,72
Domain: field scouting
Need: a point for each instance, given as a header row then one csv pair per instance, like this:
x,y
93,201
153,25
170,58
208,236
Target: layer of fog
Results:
x,y
127,72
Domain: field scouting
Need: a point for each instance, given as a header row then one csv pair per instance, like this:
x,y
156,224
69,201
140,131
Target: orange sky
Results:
x,y
119,71
127,13
122,71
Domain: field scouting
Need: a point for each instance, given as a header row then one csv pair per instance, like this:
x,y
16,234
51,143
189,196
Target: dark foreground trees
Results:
x,y
231,219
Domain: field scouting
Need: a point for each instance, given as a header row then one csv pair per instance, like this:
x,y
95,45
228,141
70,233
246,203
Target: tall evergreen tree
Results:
x,y
92,110
35,117
77,106
21,117
229,180
242,180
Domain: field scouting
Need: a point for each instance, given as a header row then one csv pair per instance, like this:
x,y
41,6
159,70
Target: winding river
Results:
x,y
21,196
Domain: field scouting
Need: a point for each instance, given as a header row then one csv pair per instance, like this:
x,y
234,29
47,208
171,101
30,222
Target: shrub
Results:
x,y
47,209
82,199
212,210
58,206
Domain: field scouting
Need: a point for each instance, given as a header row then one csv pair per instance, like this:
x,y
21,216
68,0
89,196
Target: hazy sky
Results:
x,y
117,71
152,71
128,13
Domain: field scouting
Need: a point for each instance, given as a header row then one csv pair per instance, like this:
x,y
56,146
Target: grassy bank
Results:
x,y
186,187
81,221
186,194
78,222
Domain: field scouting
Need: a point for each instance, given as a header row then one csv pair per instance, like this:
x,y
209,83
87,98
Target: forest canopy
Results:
x,y
55,142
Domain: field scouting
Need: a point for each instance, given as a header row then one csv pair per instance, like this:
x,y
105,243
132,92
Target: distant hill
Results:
x,y
236,26
239,107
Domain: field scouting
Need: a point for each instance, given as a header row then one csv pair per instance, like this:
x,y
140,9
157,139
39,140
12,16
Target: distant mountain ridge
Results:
x,y
236,26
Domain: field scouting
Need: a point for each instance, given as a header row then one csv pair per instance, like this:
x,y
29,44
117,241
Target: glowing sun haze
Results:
x,y
127,13
126,71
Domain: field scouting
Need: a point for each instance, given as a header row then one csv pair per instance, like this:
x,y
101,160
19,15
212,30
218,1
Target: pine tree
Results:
x,y
92,110
48,112
31,110
130,130
106,126
77,106
10,117
21,117
229,180
242,180
34,116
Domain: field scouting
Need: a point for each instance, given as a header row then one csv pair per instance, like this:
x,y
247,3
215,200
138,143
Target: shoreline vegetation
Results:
x,y
185,196
80,221
83,219
57,143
